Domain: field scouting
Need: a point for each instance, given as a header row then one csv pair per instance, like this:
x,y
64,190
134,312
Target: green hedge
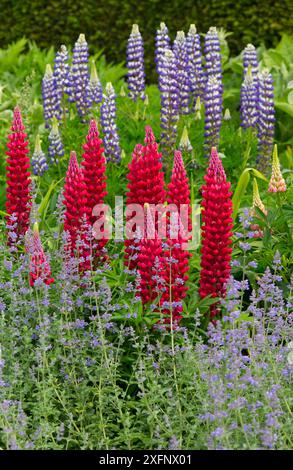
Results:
x,y
107,24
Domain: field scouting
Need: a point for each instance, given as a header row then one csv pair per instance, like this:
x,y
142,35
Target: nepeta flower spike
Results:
x,y
216,232
169,102
18,199
56,148
51,102
249,101
162,44
277,183
39,160
95,91
135,65
180,53
109,127
195,67
213,113
266,120
39,267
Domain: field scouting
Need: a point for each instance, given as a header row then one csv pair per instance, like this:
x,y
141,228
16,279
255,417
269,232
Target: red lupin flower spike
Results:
x,y
217,227
94,174
74,201
39,267
146,185
18,199
176,256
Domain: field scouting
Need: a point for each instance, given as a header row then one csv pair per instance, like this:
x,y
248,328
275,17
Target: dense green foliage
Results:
x,y
56,22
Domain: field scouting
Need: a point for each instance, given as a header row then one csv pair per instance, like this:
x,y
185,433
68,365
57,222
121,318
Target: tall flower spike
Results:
x,y
250,60
257,202
213,113
51,102
79,77
195,67
169,103
95,91
212,50
18,199
217,227
74,201
149,262
39,267
109,127
180,53
39,160
175,272
266,120
94,174
162,44
277,183
135,65
56,148
146,185
61,73
249,101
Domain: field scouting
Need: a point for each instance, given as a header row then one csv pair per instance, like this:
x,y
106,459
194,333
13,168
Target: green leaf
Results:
x,y
286,107
240,191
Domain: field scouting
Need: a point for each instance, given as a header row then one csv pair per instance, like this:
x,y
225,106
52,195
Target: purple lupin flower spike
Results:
x,y
249,101
266,120
95,91
56,148
61,73
49,94
39,161
250,59
212,50
108,122
195,67
135,65
162,44
79,77
169,102
213,113
180,53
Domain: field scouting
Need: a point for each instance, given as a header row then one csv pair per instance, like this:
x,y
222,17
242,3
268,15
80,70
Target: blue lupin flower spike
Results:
x,y
266,120
56,148
135,65
180,53
109,127
39,161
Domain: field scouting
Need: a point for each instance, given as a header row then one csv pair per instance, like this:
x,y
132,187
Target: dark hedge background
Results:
x,y
108,24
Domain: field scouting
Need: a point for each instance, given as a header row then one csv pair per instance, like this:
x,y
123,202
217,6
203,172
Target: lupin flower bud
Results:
x,y
216,232
135,65
185,144
257,202
197,109
39,160
249,100
277,183
266,120
212,50
18,199
61,73
250,59
95,91
51,102
195,67
162,44
39,267
180,53
56,148
79,76
227,115
213,113
169,102
109,127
